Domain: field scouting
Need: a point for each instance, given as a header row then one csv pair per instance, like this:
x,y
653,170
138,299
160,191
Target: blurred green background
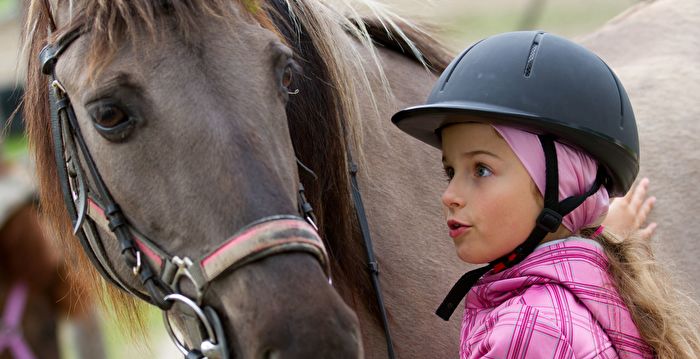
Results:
x,y
6,6
474,20
457,22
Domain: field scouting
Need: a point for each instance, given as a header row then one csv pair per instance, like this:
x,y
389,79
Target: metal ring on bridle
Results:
x,y
197,311
137,268
57,85
311,222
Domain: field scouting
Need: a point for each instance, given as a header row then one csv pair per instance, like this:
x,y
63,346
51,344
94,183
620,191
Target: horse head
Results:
x,y
170,143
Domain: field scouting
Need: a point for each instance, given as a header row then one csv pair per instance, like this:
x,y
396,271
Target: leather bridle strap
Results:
x,y
266,237
372,264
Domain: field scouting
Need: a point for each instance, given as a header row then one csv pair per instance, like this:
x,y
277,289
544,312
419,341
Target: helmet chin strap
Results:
x,y
548,221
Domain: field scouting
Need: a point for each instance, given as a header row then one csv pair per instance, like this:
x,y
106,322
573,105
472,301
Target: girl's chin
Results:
x,y
472,255
470,258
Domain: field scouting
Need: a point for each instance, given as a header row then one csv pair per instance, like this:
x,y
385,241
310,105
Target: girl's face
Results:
x,y
490,203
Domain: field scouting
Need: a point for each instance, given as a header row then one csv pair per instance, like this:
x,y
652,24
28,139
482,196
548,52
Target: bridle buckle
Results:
x,y
183,269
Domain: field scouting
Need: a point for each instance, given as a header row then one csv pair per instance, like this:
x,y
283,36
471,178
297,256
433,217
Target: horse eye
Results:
x,y
109,116
111,121
287,76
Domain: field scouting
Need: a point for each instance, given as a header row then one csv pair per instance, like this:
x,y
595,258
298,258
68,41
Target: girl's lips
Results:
x,y
457,228
454,233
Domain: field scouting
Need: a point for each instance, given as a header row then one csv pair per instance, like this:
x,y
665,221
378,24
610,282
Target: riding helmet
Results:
x,y
541,83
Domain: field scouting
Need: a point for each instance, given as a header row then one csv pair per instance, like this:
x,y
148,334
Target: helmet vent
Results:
x,y
533,53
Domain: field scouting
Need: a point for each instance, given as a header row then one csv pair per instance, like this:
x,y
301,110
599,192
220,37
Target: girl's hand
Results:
x,y
628,214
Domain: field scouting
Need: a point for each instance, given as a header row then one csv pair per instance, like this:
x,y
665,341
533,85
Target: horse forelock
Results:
x,y
111,23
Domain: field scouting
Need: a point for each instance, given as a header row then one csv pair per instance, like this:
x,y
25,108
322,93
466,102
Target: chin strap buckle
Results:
x,y
549,220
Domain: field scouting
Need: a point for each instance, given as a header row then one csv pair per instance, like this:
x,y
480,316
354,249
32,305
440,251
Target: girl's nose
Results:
x,y
451,198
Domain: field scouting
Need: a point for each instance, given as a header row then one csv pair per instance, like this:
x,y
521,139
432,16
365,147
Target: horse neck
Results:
x,y
648,23
400,179
400,183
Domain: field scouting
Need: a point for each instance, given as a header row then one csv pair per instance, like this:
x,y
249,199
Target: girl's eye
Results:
x,y
482,171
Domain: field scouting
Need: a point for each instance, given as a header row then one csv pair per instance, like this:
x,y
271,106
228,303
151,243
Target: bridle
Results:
x,y
159,272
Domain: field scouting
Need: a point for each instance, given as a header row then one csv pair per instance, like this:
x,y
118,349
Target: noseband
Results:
x,y
160,273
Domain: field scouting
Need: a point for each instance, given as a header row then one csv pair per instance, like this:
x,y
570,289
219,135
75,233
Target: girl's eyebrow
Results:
x,y
474,153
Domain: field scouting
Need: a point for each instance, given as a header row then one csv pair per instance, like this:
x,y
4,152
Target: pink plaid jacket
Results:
x,y
558,303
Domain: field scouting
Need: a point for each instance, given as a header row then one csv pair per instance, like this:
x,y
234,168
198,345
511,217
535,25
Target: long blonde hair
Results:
x,y
667,319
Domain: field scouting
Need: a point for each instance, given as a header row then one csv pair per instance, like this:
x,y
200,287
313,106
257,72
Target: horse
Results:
x,y
653,47
223,105
35,285
199,130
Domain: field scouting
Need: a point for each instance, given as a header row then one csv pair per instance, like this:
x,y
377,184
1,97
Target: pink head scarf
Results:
x,y
577,172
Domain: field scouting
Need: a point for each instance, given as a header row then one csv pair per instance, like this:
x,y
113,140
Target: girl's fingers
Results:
x,y
629,214
646,208
648,231
628,196
638,194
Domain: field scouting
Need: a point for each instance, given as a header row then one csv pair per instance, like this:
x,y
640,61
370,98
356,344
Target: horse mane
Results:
x,y
327,109
433,54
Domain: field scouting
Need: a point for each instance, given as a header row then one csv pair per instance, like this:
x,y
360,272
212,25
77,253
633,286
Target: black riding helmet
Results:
x,y
543,84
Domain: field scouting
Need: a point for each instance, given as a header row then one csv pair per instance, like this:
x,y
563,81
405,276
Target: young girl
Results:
x,y
536,134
